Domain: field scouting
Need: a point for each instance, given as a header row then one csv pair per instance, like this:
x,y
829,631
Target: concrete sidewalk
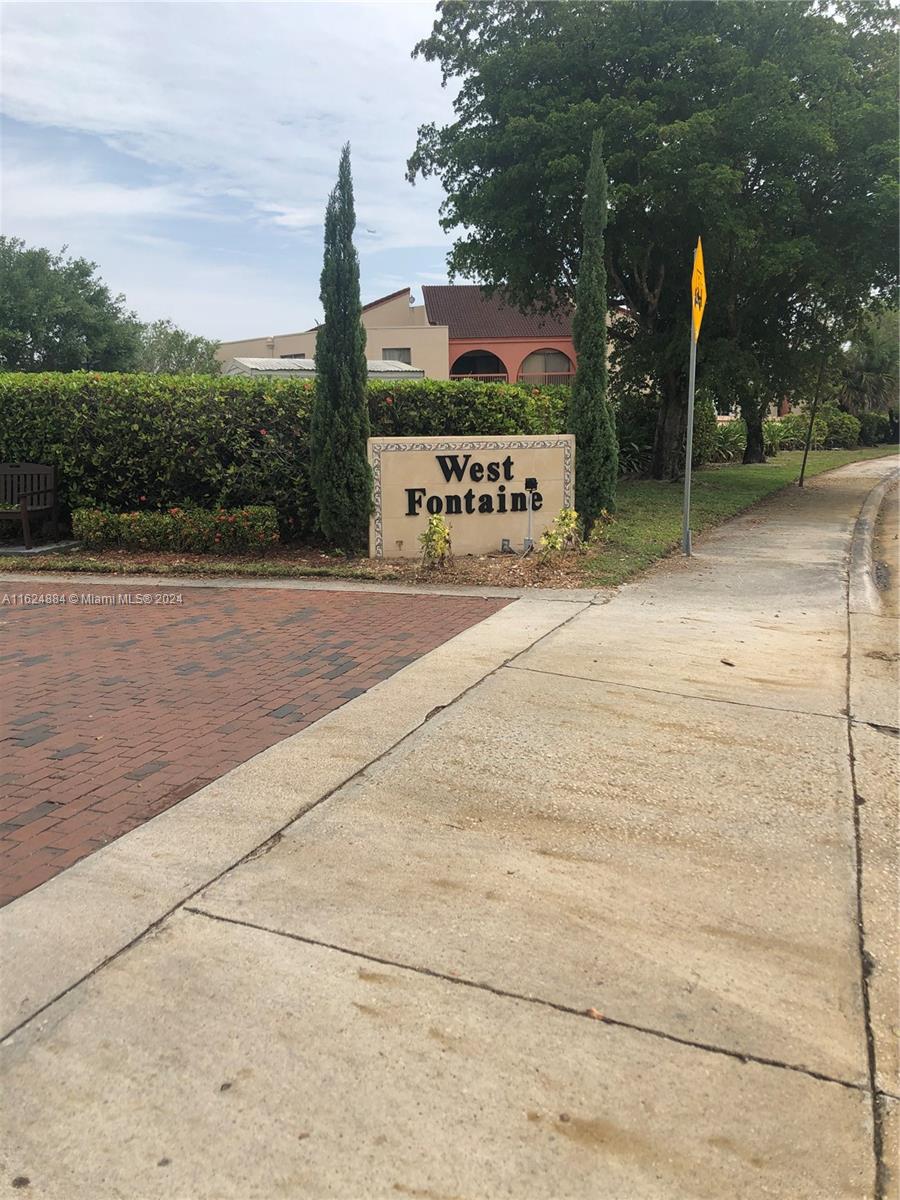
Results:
x,y
578,905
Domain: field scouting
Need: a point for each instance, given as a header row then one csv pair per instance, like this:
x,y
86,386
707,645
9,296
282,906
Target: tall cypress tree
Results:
x,y
339,467
591,418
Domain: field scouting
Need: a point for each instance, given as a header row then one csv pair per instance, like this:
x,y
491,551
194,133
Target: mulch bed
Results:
x,y
490,570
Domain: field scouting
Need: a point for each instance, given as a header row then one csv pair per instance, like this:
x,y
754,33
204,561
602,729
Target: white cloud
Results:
x,y
238,108
36,191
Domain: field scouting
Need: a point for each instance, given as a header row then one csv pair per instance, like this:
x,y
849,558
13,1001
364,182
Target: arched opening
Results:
x,y
480,365
546,367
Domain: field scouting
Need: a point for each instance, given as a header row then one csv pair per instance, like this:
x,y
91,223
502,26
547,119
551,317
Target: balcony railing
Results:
x,y
553,379
504,378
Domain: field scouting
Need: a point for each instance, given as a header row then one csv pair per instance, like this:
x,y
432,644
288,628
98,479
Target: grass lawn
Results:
x,y
648,519
647,527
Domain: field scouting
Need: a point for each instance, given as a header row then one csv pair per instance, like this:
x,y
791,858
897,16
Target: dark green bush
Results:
x,y
636,412
703,444
128,442
194,530
842,429
874,428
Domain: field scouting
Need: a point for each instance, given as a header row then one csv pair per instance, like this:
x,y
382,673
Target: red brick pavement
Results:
x,y
113,712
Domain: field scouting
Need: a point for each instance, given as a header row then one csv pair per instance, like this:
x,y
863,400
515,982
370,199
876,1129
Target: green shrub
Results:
x,y
636,414
563,533
194,530
703,444
771,437
842,429
231,441
874,428
792,430
730,441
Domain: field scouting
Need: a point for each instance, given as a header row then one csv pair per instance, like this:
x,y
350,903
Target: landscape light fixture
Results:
x,y
530,486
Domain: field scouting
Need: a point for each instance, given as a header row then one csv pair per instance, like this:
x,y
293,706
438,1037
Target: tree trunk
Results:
x,y
756,446
668,442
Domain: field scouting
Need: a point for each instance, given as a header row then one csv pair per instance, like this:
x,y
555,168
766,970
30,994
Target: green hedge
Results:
x,y
832,429
195,530
224,441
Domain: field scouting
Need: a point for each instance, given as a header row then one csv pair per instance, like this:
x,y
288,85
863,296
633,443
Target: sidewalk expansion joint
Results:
x,y
538,1001
639,687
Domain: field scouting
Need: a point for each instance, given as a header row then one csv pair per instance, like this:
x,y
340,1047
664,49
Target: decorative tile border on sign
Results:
x,y
486,443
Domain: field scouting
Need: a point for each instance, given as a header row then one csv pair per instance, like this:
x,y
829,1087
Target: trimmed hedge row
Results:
x,y
195,530
127,442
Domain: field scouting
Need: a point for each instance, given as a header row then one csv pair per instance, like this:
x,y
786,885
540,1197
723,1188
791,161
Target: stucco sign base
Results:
x,y
482,486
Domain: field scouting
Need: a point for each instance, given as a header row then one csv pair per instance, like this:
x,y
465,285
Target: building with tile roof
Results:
x,y
457,332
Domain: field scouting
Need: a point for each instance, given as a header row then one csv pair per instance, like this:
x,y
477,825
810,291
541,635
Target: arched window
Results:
x,y
479,364
546,366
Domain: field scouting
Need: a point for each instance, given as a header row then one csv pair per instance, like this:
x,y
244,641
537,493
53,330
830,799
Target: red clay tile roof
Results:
x,y
468,313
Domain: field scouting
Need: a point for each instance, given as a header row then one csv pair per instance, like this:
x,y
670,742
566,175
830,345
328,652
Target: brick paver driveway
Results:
x,y
112,711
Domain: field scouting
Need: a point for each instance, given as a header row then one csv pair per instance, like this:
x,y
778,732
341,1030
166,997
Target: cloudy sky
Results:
x,y
189,148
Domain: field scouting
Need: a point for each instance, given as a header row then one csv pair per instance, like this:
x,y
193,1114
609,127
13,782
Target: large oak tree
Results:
x,y
56,314
769,128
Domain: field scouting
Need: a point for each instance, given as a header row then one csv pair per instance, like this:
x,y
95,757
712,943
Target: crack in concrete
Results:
x,y
890,729
639,687
540,1001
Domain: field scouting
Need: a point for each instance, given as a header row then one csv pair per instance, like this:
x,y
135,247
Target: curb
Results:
x,y
175,582
863,594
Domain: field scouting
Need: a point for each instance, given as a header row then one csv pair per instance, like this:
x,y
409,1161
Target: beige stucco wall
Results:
x,y
395,311
408,475
388,325
428,346
269,347
427,343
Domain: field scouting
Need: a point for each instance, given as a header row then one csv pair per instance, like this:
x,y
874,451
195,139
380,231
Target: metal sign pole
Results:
x,y
689,449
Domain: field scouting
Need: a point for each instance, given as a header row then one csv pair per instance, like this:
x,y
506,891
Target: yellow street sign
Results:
x,y
698,290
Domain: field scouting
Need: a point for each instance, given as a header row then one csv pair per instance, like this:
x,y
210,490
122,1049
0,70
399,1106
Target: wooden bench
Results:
x,y
26,490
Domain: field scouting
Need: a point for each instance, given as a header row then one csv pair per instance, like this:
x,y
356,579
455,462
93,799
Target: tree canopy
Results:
x,y
166,349
769,128
57,315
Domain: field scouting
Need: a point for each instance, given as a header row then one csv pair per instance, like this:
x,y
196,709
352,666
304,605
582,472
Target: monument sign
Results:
x,y
493,492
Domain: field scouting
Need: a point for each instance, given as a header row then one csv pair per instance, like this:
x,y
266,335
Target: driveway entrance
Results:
x,y
119,701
